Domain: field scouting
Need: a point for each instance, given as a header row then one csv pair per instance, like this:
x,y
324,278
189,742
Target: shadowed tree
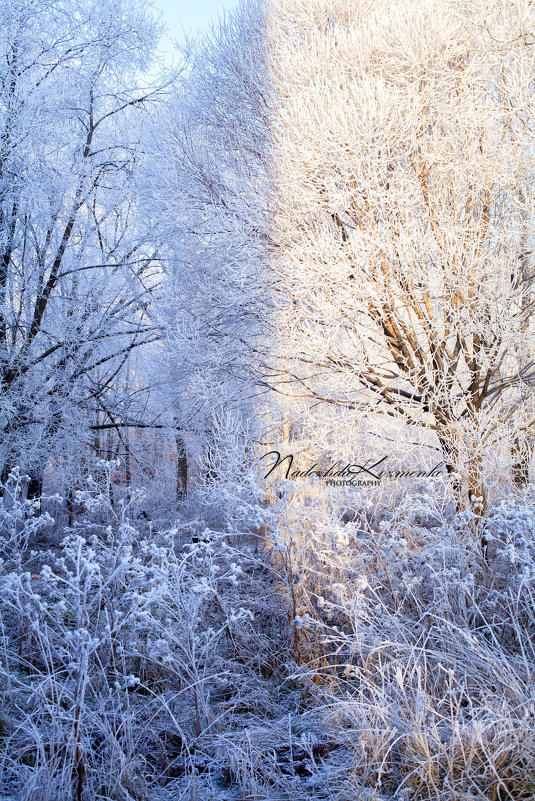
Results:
x,y
77,267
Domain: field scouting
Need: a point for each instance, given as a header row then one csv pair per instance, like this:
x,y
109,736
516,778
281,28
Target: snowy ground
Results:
x,y
386,660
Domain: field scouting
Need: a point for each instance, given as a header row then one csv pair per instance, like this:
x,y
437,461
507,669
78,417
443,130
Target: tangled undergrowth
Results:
x,y
349,655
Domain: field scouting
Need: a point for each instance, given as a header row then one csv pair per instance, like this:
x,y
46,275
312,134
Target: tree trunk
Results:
x,y
521,458
35,489
478,500
181,468
476,488
468,493
451,455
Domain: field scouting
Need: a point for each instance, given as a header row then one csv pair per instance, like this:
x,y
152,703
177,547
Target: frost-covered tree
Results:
x,y
76,264
207,183
402,203
351,194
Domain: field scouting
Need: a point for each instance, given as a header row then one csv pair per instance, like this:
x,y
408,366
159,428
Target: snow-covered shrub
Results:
x,y
421,652
21,522
121,657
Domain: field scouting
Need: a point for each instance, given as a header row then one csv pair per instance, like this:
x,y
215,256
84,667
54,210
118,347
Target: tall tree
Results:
x,y
76,265
403,161
206,183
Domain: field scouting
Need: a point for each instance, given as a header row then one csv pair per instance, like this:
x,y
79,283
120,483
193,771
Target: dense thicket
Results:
x,y
380,163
